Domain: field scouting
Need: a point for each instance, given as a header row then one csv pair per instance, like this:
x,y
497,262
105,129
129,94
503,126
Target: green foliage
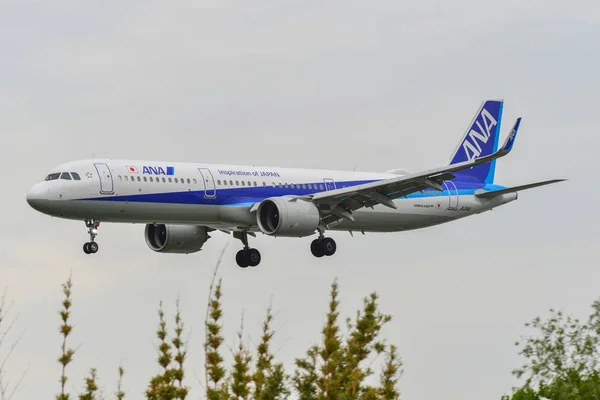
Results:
x,y
65,330
120,394
5,328
331,352
264,362
336,370
562,360
168,385
574,387
390,374
91,387
214,339
240,372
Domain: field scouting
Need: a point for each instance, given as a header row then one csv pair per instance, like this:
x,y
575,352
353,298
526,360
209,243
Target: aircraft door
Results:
x,y
452,195
106,180
210,190
329,184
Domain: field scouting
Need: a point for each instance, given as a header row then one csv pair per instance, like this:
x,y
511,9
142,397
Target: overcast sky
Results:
x,y
329,84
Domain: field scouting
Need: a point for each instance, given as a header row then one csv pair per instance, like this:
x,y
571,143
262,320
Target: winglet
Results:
x,y
510,140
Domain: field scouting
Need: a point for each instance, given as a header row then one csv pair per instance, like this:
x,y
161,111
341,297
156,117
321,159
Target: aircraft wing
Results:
x,y
340,203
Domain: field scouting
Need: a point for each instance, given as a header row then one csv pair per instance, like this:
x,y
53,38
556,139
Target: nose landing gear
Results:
x,y
91,247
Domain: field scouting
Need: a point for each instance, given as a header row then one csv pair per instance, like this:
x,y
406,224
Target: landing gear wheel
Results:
x,y
316,248
329,246
242,258
323,246
90,247
93,247
246,257
253,257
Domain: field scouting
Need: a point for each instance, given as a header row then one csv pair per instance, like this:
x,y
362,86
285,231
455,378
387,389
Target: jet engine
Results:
x,y
181,239
286,216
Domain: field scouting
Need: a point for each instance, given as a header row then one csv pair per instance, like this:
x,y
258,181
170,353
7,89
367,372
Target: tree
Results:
x,y
65,330
168,385
5,328
562,360
335,369
338,367
215,371
91,388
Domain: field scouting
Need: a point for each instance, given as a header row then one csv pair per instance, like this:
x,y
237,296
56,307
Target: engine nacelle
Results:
x,y
182,239
284,216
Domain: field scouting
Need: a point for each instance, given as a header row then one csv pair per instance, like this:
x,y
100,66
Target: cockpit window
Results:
x,y
66,176
53,176
76,176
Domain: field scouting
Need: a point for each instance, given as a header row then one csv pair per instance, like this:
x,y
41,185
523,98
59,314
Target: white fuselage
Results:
x,y
221,196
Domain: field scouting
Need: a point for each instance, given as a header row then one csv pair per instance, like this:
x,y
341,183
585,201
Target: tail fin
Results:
x,y
480,139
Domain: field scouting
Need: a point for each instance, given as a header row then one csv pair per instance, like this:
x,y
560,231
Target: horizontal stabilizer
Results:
x,y
488,195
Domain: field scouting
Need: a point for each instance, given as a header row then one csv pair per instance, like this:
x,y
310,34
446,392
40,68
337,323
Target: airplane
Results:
x,y
180,203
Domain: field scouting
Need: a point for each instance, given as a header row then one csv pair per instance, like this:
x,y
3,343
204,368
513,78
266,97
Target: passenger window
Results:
x,y
195,181
75,176
66,176
145,180
176,180
219,182
151,180
164,180
243,183
224,183
321,187
120,178
230,183
249,183
170,181
237,183
255,184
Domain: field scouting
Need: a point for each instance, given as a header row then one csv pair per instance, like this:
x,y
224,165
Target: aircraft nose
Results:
x,y
37,198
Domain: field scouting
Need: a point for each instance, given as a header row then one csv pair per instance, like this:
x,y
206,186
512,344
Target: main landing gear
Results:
x,y
246,257
91,247
323,246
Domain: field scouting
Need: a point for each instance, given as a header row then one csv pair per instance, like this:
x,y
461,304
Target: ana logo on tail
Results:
x,y
472,147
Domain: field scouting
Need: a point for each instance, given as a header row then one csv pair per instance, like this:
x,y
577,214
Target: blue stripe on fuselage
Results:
x,y
239,196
